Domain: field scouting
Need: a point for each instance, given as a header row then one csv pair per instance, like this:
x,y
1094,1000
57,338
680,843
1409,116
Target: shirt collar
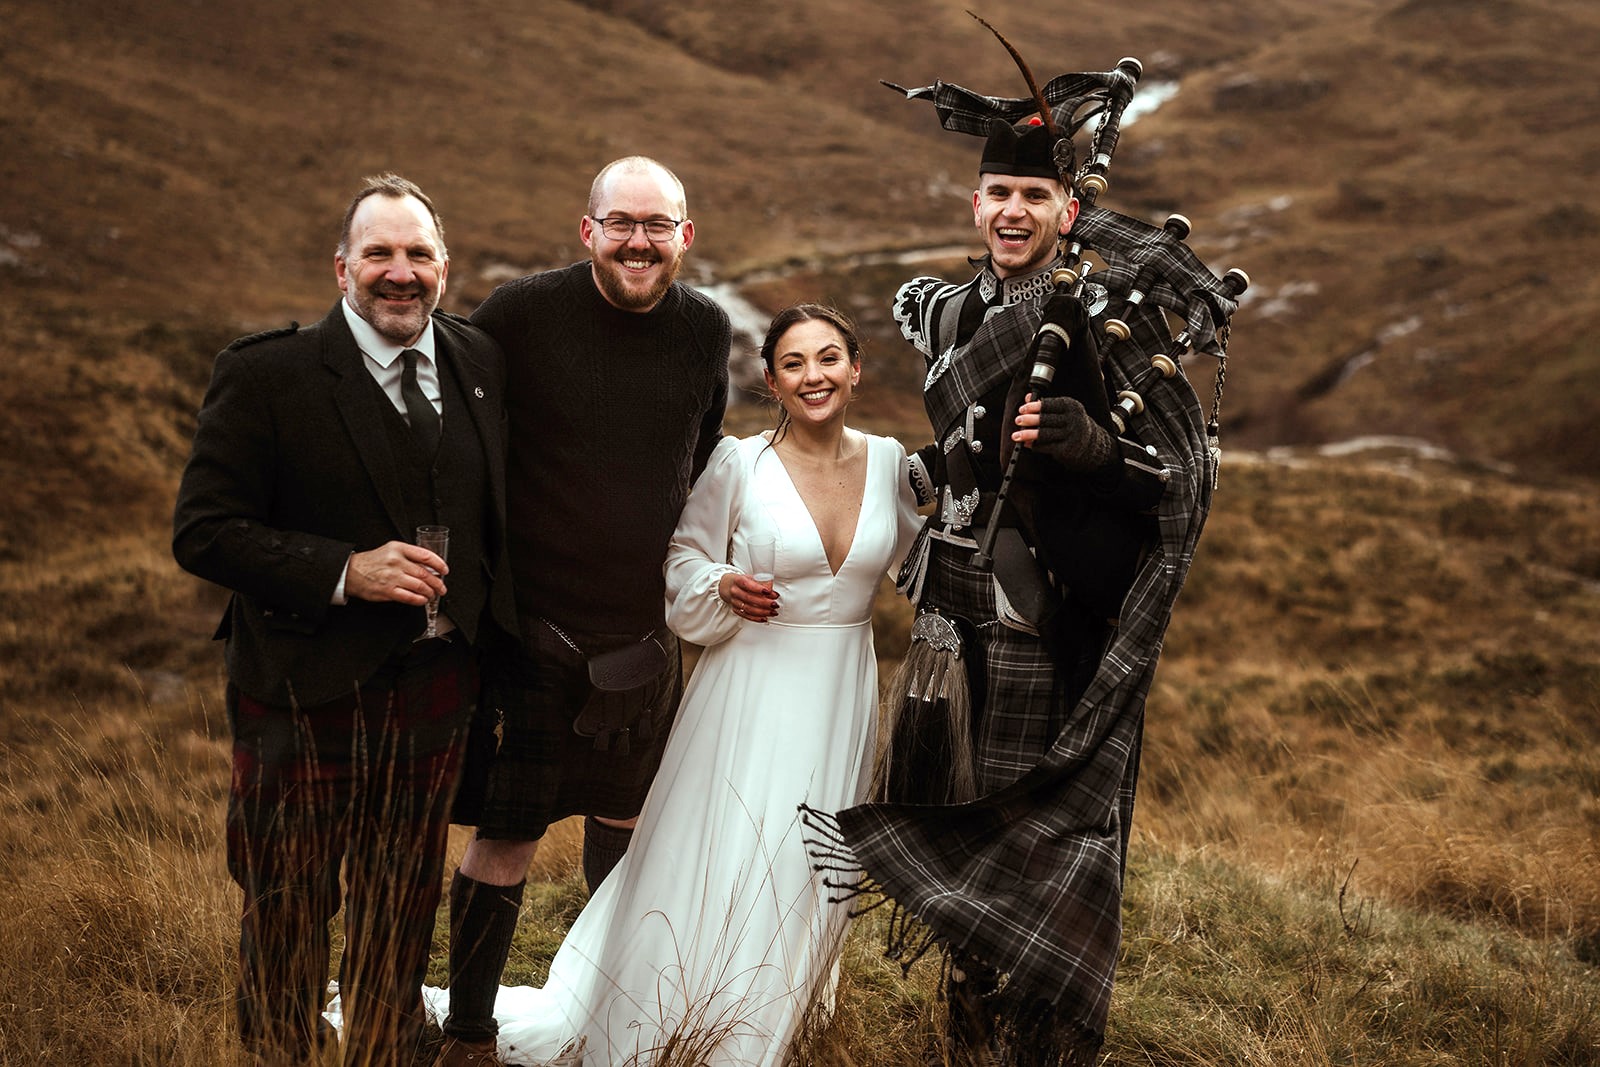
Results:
x,y
1016,288
379,348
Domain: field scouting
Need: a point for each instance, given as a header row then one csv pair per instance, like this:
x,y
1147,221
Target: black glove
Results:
x,y
1077,365
1066,311
1070,437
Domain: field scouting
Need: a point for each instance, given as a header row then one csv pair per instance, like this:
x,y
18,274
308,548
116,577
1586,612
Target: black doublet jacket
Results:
x,y
1088,530
299,459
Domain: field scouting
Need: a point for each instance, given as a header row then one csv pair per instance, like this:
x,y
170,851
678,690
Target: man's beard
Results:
x,y
397,326
613,280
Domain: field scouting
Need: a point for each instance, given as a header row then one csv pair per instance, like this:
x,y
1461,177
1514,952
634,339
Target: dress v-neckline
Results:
x,y
816,531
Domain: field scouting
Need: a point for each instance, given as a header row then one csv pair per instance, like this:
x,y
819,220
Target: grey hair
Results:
x,y
395,187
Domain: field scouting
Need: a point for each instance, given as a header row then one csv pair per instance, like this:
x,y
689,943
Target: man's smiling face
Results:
x,y
635,273
392,266
1020,219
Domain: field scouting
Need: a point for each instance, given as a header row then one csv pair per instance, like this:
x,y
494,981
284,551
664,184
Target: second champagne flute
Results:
x,y
763,558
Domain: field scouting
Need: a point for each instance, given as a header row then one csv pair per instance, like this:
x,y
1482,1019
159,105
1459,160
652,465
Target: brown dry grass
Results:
x,y
117,926
1395,666
1367,828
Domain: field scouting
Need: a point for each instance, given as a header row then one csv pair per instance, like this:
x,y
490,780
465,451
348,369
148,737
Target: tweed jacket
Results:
x,y
291,472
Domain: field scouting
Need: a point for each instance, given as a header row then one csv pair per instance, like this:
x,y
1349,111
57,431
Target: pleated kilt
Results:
x,y
544,771
365,782
1020,704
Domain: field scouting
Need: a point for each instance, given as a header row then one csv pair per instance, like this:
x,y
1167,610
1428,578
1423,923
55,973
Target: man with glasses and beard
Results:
x,y
617,378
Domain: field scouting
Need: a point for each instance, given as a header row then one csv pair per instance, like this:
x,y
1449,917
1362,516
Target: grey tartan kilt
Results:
x,y
1024,705
544,771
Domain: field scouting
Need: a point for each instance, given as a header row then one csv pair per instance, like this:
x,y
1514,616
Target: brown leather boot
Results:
x,y
970,1039
456,1052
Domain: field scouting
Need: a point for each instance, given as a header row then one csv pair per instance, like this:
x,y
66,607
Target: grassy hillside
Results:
x,y
1406,181
1367,829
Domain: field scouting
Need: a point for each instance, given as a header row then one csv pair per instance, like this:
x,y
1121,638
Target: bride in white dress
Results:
x,y
713,936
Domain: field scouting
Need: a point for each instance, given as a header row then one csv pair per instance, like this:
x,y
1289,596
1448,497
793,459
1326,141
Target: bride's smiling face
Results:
x,y
812,373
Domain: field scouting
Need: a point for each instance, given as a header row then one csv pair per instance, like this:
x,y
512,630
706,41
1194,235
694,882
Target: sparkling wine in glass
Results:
x,y
763,558
435,539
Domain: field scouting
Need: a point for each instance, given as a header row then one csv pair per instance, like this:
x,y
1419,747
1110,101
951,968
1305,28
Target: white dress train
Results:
x,y
712,930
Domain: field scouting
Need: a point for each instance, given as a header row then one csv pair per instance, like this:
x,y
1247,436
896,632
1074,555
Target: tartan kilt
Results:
x,y
1020,700
363,781
544,771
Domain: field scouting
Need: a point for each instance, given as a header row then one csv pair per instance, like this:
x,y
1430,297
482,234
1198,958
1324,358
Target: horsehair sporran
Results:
x,y
929,728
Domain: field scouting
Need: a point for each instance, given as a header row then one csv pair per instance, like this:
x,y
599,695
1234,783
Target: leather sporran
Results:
x,y
925,750
625,684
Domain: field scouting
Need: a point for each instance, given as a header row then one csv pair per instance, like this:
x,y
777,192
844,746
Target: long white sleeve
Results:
x,y
697,557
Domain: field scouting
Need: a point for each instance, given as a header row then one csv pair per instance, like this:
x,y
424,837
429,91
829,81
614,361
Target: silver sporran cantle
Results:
x,y
925,750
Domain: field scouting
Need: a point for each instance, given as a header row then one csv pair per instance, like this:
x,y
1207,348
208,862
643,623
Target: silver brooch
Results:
x,y
1095,298
958,511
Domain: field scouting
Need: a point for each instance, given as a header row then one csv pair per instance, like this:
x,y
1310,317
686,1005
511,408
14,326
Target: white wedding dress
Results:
x,y
713,930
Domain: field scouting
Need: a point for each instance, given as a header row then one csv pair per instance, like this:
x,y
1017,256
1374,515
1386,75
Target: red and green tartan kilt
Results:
x,y
363,783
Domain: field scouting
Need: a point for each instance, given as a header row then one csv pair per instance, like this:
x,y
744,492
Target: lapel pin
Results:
x,y
477,391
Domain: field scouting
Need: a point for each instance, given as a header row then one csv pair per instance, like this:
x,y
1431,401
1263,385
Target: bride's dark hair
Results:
x,y
793,315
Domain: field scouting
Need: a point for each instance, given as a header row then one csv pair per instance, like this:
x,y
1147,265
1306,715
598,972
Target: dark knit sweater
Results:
x,y
612,414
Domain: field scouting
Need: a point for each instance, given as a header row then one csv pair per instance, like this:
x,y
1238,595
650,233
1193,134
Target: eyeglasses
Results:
x,y
619,228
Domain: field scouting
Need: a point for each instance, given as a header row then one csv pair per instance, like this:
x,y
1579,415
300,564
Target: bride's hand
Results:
x,y
748,598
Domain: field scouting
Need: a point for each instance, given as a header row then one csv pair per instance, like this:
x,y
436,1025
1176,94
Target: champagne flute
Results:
x,y
763,558
435,539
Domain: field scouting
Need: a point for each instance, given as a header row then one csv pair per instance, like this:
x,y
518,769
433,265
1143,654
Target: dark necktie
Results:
x,y
419,409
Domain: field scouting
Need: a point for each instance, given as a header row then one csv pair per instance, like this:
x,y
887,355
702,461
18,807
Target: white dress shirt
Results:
x,y
383,362
382,357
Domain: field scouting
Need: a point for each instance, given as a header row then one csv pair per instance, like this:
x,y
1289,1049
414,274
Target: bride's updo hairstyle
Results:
x,y
791,316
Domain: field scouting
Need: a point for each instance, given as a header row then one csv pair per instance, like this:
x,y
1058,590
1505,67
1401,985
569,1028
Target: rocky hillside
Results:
x,y
1406,181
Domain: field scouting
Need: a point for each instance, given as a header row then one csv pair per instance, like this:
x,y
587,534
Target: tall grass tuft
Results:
x,y
1226,965
119,918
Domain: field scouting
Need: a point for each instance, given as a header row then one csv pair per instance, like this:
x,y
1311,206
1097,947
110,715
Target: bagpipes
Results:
x,y
926,751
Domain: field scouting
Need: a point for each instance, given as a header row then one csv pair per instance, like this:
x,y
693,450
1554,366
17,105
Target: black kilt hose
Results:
x,y
545,770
